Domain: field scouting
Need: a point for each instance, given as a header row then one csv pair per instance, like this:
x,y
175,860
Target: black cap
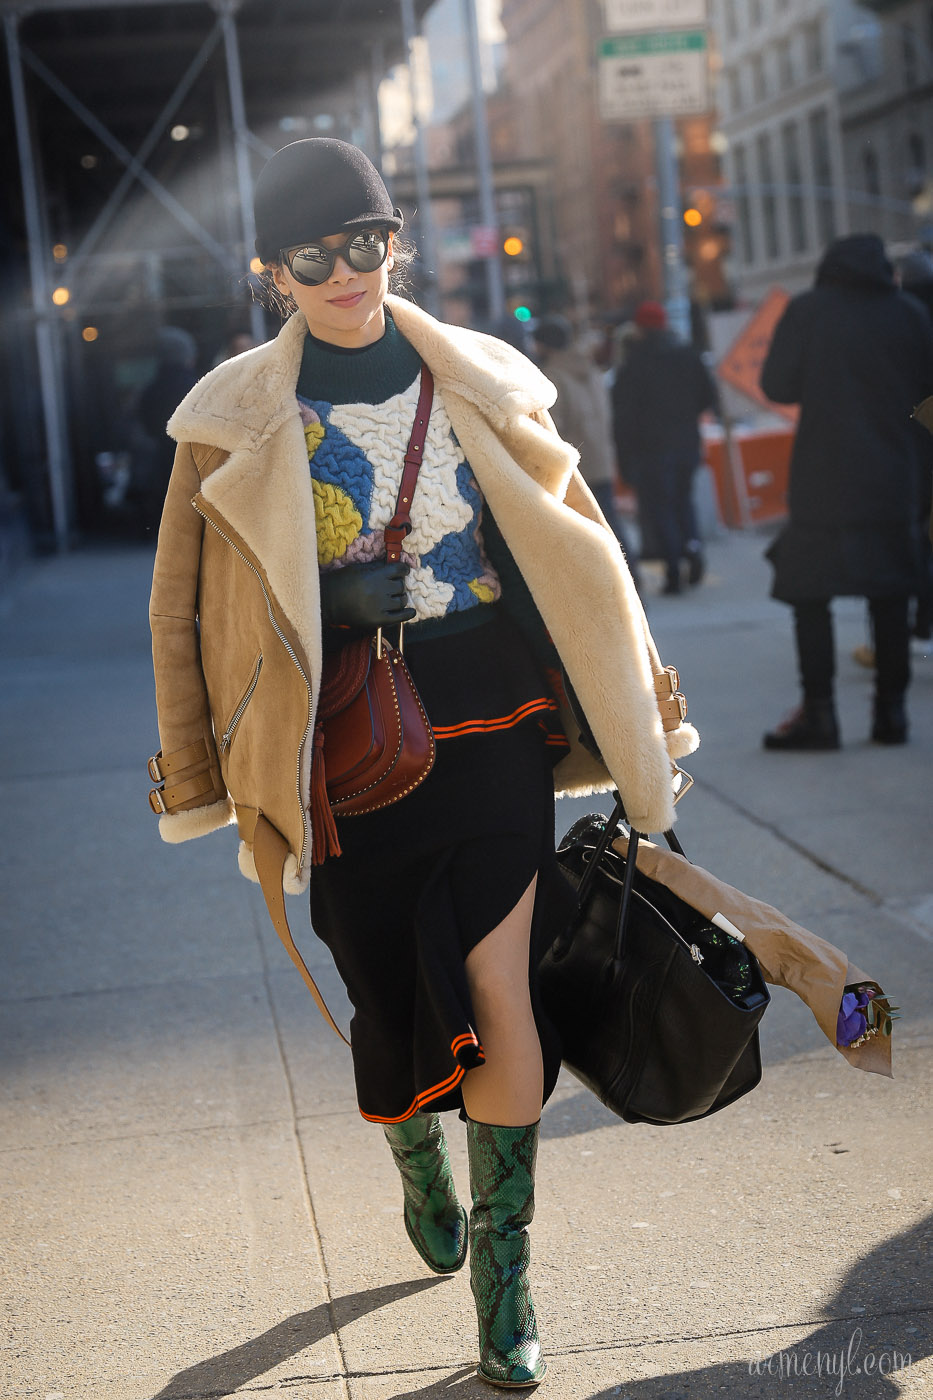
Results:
x,y
314,188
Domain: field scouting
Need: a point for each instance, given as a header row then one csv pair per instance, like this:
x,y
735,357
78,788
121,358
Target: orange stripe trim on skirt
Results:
x,y
468,1038
485,726
427,1095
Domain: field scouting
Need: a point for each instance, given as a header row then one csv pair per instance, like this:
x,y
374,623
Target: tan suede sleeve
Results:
x,y
181,695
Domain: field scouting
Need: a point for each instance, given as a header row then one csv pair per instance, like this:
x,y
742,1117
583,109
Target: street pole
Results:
x,y
487,197
241,147
422,183
376,69
51,380
676,296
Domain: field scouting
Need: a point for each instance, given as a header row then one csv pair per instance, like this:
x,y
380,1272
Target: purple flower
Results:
x,y
852,1022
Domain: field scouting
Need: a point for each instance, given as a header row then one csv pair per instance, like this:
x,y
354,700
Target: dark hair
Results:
x,y
404,254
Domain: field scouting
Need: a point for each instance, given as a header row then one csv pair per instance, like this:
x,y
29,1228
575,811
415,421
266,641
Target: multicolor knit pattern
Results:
x,y
502,1182
356,451
434,1218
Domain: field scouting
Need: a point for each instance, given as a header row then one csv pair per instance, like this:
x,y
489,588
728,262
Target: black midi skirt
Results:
x,y
421,883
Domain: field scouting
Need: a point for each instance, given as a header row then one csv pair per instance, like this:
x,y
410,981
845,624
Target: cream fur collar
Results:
x,y
241,403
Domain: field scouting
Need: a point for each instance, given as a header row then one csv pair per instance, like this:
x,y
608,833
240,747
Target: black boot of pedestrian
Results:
x,y
696,563
889,725
811,728
672,582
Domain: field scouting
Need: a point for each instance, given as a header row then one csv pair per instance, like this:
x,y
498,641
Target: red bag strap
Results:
x,y
400,524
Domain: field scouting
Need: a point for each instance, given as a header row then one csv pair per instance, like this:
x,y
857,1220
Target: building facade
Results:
x,y
602,173
779,112
826,107
885,74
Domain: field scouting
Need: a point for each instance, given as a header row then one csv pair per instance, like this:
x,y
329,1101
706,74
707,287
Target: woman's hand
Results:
x,y
365,596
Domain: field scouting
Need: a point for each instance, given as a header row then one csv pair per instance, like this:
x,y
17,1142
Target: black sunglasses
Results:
x,y
312,263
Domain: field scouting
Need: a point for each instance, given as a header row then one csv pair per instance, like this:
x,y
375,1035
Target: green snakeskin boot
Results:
x,y
502,1182
434,1218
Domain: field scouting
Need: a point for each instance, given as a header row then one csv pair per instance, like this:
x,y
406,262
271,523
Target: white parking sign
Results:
x,y
623,16
653,75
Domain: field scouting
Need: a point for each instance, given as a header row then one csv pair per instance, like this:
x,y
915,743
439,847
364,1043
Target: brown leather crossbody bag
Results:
x,y
373,743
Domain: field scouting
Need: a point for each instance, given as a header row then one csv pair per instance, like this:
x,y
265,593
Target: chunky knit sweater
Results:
x,y
358,408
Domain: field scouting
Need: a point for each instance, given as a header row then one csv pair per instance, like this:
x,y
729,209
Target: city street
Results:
x,y
194,1207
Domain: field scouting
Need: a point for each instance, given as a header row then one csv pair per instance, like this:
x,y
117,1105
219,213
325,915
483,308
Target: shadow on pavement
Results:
x,y
223,1374
570,1114
461,1384
852,1356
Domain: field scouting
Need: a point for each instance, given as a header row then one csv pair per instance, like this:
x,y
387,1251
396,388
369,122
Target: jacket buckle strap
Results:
x,y
167,799
666,683
673,711
161,766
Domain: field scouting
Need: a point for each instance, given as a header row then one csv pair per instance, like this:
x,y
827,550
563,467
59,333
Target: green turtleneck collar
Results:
x,y
371,374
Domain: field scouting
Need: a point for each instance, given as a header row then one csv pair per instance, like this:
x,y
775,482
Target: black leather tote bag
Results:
x,y
657,1008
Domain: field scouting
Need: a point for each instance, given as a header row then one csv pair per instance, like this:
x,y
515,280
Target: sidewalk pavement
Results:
x,y
194,1207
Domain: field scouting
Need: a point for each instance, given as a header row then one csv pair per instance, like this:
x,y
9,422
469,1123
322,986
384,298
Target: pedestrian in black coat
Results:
x,y
174,376
857,355
916,276
659,393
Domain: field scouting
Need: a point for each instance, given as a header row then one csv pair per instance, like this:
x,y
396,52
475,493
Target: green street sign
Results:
x,y
638,45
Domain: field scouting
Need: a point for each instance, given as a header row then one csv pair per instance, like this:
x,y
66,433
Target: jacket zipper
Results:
x,y
230,730
298,666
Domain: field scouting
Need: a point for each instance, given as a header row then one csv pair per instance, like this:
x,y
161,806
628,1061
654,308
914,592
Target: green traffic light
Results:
x,y
522,313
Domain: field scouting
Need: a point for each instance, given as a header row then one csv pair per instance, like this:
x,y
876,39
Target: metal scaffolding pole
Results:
x,y
375,72
672,228
116,198
422,184
51,385
487,199
242,143
127,158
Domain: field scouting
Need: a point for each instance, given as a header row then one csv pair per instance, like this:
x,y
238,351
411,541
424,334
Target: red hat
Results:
x,y
651,316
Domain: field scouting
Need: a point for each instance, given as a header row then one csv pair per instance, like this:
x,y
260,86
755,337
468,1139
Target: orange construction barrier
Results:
x,y
752,486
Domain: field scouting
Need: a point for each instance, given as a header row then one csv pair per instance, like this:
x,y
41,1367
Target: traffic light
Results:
x,y
516,245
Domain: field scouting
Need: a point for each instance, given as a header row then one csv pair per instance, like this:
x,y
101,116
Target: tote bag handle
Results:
x,y
609,833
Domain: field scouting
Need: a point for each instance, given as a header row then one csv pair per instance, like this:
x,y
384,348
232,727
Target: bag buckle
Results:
x,y
155,772
682,781
401,641
157,802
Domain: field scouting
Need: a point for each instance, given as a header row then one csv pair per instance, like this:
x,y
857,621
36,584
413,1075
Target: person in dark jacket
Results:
x,y
916,274
582,417
659,394
857,355
176,352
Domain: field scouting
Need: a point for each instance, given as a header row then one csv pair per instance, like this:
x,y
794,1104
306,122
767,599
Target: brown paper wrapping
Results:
x,y
790,955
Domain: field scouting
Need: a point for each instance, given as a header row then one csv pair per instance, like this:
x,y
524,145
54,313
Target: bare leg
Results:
x,y
509,1087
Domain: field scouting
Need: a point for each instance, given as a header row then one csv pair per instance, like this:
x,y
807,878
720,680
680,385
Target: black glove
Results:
x,y
365,596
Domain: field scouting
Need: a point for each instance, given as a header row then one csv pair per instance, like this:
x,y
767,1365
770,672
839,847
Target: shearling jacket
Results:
x,y
235,606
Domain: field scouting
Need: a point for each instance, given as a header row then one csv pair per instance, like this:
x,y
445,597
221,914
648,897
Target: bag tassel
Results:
x,y
325,841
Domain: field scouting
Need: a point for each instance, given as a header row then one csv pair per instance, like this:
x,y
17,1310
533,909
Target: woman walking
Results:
x,y
271,556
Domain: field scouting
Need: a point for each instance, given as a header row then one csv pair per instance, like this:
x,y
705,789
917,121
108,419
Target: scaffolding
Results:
x,y
358,38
